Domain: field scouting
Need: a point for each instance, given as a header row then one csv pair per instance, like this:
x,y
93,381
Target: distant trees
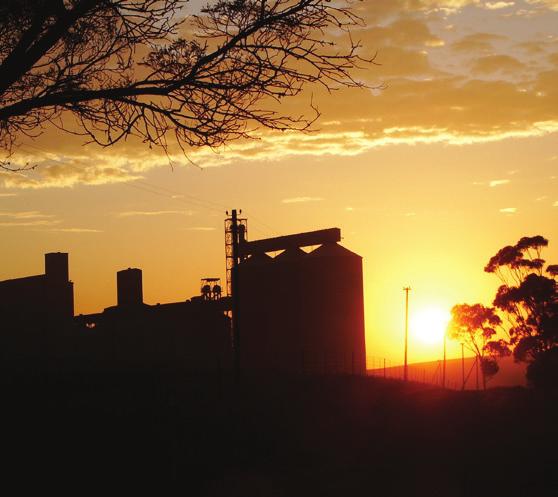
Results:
x,y
476,327
528,298
525,311
141,68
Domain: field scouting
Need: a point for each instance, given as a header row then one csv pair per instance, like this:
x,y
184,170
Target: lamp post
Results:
x,y
444,364
462,366
405,368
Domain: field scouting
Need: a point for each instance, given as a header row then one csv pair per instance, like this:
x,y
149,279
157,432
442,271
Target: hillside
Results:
x,y
274,437
511,373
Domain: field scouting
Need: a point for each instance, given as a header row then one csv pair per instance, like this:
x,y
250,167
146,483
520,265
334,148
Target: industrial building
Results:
x,y
43,297
36,313
194,334
301,312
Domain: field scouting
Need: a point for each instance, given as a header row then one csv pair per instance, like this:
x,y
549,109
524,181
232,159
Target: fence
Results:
x,y
459,375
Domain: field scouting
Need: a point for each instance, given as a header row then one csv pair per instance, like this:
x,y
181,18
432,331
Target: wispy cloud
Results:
x,y
498,5
154,213
75,170
25,215
555,204
3,195
498,182
201,228
13,219
299,200
76,230
456,88
508,210
14,224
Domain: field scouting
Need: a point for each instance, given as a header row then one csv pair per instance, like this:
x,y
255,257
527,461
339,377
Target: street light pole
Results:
x,y
405,368
463,366
444,364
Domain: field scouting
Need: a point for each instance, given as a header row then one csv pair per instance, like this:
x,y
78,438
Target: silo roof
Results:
x,y
258,258
332,250
291,254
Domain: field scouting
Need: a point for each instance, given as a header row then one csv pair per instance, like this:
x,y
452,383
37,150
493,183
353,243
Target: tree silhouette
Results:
x,y
476,327
140,67
529,299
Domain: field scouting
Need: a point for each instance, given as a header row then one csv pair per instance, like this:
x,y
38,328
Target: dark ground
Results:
x,y
326,436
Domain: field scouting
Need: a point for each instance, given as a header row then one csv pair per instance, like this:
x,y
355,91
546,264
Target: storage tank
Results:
x,y
300,312
56,266
334,310
255,317
129,287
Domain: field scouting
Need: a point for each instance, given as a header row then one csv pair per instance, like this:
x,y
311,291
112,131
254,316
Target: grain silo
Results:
x,y
301,312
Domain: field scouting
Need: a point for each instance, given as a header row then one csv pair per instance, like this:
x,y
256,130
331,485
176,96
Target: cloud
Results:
x,y
25,215
11,224
76,230
430,97
201,228
4,195
477,42
508,210
498,5
555,204
403,32
298,200
497,63
498,182
549,4
65,175
154,213
26,219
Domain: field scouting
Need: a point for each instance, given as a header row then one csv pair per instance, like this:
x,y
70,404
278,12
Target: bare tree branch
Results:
x,y
137,68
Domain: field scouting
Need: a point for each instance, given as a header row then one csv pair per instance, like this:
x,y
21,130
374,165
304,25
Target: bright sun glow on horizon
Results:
x,y
429,324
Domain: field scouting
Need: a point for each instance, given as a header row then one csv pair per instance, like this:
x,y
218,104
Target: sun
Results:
x,y
429,324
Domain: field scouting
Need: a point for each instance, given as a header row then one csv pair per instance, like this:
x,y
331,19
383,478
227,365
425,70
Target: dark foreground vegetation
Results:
x,y
325,436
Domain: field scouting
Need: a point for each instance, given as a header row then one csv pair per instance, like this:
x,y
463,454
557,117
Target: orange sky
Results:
x,y
427,178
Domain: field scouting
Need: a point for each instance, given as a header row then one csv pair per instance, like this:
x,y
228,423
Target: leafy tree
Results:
x,y
140,68
529,300
476,326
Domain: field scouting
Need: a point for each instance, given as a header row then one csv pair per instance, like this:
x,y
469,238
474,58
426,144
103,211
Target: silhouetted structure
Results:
x,y
193,334
129,287
36,313
44,297
302,312
299,312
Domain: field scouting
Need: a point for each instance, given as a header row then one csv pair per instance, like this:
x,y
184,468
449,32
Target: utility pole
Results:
x,y
477,372
462,367
444,364
405,367
234,289
235,233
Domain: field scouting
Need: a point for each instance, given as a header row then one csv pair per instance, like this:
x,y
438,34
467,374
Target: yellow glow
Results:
x,y
429,324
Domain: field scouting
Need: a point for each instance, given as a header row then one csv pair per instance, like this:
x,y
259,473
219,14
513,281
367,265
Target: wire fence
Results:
x,y
460,374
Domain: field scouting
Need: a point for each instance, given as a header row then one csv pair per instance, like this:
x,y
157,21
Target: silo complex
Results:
x,y
302,312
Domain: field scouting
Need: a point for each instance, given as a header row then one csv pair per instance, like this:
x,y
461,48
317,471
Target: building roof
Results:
x,y
291,254
258,258
332,250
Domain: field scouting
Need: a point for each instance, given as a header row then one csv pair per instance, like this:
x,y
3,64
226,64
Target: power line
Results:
x,y
150,187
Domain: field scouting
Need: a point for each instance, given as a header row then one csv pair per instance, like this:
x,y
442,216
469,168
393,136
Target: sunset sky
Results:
x,y
427,178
